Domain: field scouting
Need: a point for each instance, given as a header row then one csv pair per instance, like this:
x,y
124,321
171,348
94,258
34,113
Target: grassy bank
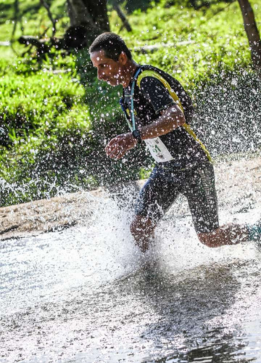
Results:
x,y
55,117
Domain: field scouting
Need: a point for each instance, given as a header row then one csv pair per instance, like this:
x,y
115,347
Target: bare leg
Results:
x,y
225,235
142,229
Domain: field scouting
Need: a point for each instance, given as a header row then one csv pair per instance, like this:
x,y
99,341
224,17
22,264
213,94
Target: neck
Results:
x,y
130,69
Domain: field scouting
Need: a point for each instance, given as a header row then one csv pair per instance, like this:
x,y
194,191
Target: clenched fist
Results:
x,y
119,145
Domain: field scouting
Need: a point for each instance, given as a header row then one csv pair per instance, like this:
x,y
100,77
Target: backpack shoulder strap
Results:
x,y
152,73
175,89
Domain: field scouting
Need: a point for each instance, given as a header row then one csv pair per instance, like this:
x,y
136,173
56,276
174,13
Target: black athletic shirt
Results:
x,y
151,96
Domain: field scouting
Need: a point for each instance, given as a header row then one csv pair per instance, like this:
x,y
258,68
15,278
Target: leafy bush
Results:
x,y
56,117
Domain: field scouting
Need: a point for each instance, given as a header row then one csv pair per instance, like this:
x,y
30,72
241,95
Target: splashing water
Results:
x,y
88,295
83,295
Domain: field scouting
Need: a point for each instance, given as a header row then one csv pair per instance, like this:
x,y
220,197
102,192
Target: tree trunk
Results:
x,y
252,32
98,12
88,18
89,13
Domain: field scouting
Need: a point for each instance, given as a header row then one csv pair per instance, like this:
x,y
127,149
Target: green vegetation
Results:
x,y
55,116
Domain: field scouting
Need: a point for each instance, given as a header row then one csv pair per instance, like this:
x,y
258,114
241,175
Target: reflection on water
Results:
x,y
87,295
196,320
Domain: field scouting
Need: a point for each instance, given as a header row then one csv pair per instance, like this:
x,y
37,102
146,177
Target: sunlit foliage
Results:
x,y
55,117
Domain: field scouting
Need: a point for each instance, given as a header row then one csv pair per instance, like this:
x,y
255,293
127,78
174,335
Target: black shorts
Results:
x,y
196,184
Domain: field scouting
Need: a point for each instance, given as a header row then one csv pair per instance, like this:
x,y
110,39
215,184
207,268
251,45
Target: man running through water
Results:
x,y
158,110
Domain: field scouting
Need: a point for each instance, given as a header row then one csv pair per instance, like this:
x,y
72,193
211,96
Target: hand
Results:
x,y
119,145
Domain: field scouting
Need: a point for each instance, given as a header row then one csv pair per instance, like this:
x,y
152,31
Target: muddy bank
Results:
x,y
238,186
48,215
44,215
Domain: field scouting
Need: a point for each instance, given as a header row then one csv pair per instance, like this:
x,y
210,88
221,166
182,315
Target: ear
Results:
x,y
123,59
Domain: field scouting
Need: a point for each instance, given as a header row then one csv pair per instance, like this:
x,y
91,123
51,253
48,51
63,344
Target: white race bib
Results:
x,y
158,150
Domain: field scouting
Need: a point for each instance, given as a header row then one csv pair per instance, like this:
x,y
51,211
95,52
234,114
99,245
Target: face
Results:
x,y
109,70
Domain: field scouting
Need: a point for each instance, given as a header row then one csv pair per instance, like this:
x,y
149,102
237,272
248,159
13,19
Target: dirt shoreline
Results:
x,y
238,186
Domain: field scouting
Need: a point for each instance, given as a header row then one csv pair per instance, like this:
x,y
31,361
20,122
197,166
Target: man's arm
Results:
x,y
170,119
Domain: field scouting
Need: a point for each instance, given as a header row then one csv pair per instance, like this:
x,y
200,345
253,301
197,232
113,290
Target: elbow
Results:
x,y
182,121
180,117
179,120
177,117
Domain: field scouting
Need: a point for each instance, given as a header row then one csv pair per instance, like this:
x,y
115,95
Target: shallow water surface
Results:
x,y
88,295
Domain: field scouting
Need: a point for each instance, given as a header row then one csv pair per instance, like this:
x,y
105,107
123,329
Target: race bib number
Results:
x,y
158,150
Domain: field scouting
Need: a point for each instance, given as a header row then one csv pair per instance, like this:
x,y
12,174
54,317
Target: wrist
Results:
x,y
137,135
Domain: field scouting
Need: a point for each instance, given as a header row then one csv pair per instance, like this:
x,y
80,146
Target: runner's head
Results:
x,y
111,57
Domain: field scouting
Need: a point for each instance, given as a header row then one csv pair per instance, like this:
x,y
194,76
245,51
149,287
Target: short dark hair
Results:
x,y
112,44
